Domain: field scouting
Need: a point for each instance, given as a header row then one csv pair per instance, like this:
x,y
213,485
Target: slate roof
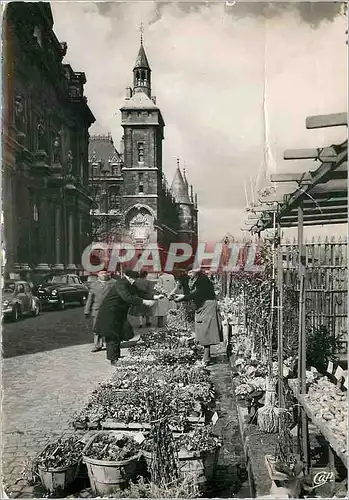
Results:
x,y
179,188
101,147
142,61
139,100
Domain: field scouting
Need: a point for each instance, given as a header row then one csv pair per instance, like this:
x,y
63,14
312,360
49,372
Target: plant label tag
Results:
x,y
139,437
215,418
339,373
330,367
346,382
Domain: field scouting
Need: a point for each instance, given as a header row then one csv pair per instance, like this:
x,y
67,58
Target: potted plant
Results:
x,y
58,463
111,459
198,453
322,346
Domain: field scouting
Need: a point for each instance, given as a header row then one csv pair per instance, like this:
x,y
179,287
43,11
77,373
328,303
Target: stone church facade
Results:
x,y
132,199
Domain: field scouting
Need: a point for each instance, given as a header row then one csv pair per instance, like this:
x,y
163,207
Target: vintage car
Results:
x,y
18,300
57,291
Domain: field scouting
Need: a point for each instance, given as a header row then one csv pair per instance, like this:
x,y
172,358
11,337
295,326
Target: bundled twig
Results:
x,y
164,468
268,416
284,449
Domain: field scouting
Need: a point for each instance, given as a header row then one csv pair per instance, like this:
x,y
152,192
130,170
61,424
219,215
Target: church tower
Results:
x,y
186,207
142,172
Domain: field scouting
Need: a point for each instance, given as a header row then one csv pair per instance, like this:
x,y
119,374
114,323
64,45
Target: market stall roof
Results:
x,y
323,192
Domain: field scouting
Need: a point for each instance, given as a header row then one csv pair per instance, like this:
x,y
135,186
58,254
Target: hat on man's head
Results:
x,y
193,267
132,274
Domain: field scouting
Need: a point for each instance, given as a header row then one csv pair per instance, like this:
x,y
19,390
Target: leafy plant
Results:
x,y
113,448
201,439
177,489
64,452
322,347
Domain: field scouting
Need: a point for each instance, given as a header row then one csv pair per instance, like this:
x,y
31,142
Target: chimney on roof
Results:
x,y
128,92
122,145
196,200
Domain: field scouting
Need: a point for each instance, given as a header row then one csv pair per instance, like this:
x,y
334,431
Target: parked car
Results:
x,y
18,299
57,291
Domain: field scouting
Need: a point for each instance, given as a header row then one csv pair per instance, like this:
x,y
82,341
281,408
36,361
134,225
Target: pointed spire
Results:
x,y
179,188
142,61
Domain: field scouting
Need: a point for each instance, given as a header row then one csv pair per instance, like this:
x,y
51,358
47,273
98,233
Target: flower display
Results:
x,y
112,448
65,452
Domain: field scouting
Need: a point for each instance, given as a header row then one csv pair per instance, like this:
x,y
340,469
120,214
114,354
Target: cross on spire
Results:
x,y
141,30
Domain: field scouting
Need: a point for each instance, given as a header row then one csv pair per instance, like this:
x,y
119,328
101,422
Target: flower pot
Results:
x,y
108,477
198,465
56,480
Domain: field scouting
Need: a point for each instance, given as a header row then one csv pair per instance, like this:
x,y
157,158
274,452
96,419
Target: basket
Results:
x,y
55,480
198,465
108,477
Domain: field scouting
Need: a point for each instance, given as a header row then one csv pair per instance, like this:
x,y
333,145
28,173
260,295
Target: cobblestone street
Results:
x,y
44,384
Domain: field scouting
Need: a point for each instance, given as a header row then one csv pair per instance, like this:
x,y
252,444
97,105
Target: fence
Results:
x,y
326,280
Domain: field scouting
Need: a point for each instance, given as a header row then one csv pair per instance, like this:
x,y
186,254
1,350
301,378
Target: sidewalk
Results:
x,y
43,390
40,393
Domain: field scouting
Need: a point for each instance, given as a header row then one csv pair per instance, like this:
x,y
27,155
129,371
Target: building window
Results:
x,y
141,152
114,198
115,170
95,170
140,183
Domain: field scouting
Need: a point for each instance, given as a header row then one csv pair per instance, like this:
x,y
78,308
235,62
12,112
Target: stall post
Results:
x,y
302,336
280,316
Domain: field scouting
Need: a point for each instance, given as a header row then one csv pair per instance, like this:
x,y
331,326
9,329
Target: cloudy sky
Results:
x,y
226,77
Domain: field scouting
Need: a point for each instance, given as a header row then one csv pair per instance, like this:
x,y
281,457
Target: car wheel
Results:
x,y
83,300
61,304
15,314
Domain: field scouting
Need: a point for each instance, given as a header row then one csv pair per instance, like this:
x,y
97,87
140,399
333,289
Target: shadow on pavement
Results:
x,y
51,330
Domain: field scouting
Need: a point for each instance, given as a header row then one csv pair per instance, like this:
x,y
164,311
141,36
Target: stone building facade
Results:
x,y
132,197
46,201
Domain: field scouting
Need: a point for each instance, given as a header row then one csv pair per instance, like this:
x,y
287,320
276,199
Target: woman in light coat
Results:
x,y
98,290
165,285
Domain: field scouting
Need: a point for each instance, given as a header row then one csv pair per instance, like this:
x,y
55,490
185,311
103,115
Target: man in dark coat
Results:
x,y
112,314
145,289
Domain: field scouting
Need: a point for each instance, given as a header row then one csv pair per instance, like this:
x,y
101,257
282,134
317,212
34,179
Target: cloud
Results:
x,y
209,67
